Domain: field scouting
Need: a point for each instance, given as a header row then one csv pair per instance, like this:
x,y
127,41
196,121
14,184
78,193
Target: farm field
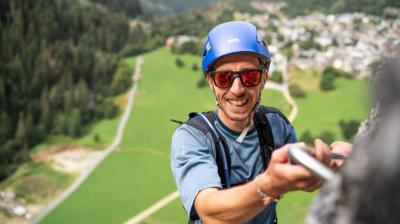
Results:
x,y
137,174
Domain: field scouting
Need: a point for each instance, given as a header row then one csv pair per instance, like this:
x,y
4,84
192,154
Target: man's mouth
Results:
x,y
237,103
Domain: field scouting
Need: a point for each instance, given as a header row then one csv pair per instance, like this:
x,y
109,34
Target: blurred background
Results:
x,y
88,88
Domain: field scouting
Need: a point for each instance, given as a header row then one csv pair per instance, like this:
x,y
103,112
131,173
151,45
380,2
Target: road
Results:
x,y
104,153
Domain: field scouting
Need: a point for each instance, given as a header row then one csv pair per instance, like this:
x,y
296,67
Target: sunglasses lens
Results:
x,y
251,78
223,79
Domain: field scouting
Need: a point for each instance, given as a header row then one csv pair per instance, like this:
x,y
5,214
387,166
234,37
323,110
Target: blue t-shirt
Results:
x,y
194,167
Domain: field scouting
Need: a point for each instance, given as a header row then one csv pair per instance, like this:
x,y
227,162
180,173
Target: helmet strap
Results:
x,y
216,99
259,95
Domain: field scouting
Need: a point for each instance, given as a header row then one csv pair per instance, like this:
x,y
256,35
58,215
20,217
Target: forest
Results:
x,y
59,68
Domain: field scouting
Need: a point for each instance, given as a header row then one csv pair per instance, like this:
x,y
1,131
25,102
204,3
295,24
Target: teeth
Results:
x,y
237,103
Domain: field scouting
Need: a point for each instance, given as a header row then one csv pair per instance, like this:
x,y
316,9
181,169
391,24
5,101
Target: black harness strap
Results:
x,y
197,122
265,135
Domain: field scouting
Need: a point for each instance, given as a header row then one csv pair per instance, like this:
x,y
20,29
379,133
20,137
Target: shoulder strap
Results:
x,y
274,110
198,123
265,135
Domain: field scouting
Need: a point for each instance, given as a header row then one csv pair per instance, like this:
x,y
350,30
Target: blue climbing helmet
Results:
x,y
231,38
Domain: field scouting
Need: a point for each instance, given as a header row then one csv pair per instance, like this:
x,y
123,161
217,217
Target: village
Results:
x,y
351,42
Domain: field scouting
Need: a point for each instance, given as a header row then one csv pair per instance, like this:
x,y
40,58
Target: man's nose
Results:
x,y
237,87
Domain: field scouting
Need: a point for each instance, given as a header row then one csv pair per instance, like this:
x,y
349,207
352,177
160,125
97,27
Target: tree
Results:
x,y
337,73
38,134
45,117
109,109
296,90
96,138
195,67
179,62
307,137
2,91
327,136
122,80
349,128
60,124
276,76
5,127
74,123
202,82
21,133
327,82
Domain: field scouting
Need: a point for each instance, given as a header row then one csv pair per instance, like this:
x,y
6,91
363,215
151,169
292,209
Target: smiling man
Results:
x,y
224,162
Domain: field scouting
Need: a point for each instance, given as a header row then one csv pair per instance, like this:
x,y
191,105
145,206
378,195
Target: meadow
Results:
x,y
138,174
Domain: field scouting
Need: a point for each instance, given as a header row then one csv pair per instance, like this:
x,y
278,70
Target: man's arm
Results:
x,y
241,203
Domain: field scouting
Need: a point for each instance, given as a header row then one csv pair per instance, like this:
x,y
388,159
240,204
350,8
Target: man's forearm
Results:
x,y
235,205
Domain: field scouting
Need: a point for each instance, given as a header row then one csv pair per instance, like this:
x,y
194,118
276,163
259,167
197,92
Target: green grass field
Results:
x,y
138,174
321,111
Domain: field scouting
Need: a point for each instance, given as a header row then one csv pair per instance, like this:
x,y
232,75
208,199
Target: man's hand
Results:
x,y
241,203
340,147
282,176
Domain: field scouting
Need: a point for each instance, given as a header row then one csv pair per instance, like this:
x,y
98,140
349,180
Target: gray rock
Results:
x,y
368,190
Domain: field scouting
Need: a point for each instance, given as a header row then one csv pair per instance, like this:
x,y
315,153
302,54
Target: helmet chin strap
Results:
x,y
259,96
258,100
216,100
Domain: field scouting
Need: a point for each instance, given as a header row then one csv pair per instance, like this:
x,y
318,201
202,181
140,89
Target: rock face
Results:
x,y
369,188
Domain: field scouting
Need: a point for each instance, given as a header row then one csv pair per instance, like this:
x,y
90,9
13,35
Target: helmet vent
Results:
x,y
207,48
260,39
263,43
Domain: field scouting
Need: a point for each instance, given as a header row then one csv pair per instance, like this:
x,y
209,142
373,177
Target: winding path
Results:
x,y
104,152
285,91
284,88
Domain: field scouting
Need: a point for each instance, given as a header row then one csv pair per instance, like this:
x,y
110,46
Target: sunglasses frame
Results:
x,y
237,74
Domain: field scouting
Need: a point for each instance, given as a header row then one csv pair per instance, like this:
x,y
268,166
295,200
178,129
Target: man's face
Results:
x,y
237,101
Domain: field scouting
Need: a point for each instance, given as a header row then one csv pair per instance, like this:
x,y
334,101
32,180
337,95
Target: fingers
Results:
x,y
322,151
335,164
313,185
310,184
343,148
293,172
281,155
340,147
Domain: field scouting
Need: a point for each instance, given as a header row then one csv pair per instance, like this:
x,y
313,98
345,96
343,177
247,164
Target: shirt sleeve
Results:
x,y
193,165
283,132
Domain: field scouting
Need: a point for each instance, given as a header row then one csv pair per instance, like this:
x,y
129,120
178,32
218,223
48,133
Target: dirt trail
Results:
x,y
92,159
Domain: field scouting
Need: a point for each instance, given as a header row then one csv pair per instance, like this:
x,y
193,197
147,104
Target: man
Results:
x,y
236,62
